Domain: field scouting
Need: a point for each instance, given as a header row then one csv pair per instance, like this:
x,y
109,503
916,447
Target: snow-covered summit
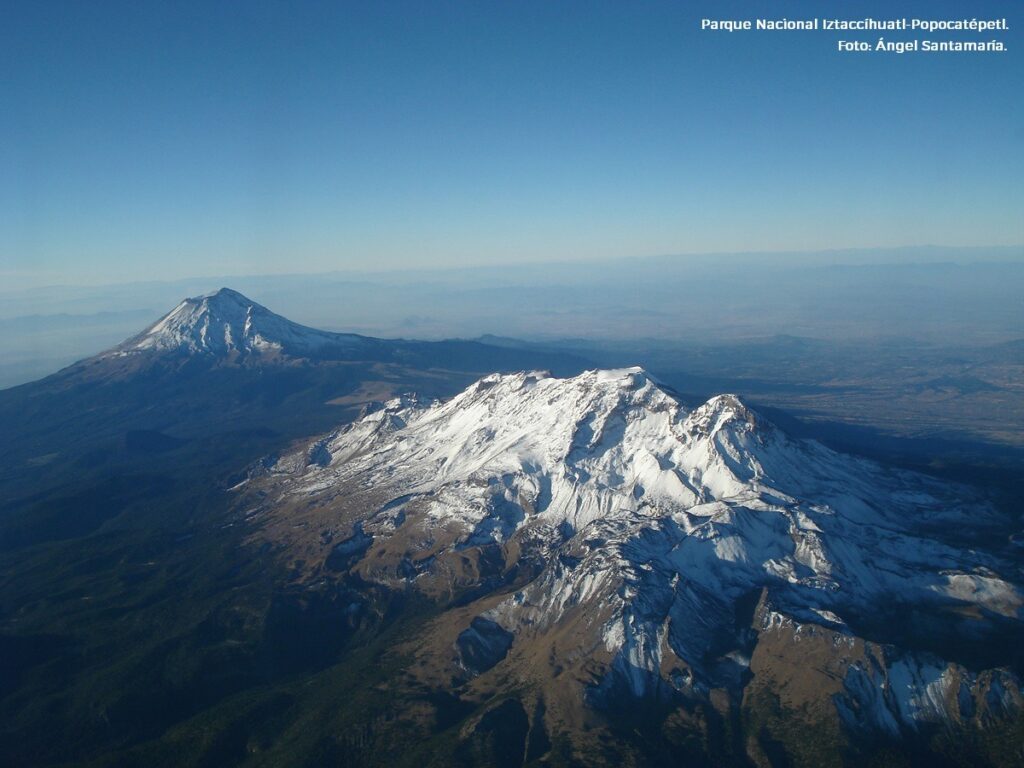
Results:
x,y
225,322
603,443
590,445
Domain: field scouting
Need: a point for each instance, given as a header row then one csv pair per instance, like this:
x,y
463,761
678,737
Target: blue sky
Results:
x,y
163,140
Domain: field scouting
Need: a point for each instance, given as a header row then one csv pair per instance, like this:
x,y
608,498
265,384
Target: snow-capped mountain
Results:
x,y
224,361
225,322
597,520
227,327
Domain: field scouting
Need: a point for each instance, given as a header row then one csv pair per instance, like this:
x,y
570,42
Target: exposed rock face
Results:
x,y
596,524
482,645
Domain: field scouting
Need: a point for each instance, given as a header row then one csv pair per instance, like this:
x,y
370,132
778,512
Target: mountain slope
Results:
x,y
130,607
595,529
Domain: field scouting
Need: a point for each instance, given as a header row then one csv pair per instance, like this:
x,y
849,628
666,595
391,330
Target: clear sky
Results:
x,y
168,139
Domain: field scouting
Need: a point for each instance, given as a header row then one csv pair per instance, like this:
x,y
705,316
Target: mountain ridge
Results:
x,y
600,508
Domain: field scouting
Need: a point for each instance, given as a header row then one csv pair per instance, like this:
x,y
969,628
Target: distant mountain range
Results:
x,y
236,540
